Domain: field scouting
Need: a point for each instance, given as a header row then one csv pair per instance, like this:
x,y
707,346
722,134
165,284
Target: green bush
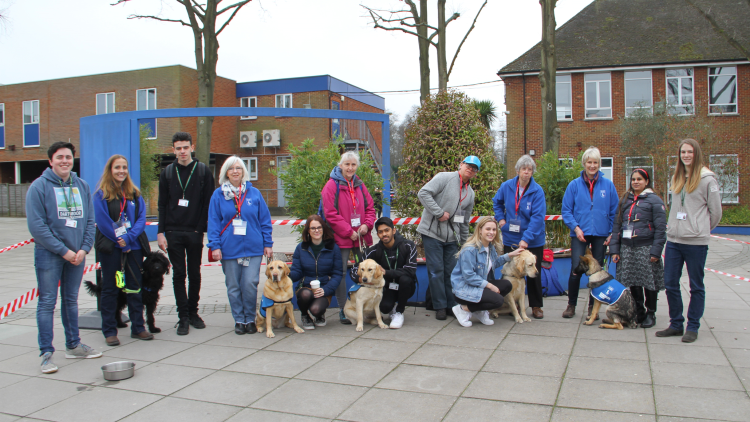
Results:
x,y
444,130
310,169
553,176
736,215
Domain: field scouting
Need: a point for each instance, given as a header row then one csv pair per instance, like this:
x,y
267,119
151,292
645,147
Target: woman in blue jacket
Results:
x,y
520,207
118,248
239,234
318,257
588,209
473,278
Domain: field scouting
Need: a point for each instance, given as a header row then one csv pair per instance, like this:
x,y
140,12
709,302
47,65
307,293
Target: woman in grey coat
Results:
x,y
638,237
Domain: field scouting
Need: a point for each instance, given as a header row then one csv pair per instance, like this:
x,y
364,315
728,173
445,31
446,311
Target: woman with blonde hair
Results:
x,y
694,212
473,278
120,214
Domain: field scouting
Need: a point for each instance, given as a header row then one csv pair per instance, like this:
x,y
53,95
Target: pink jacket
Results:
x,y
340,219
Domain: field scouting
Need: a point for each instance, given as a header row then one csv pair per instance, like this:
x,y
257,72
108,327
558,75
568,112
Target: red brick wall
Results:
x,y
577,135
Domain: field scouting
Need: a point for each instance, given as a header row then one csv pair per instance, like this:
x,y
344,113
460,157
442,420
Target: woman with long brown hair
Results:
x,y
120,214
694,212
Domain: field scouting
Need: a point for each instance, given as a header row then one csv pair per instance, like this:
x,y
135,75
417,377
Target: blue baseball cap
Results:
x,y
473,159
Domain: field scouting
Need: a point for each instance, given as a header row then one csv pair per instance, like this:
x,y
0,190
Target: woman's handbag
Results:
x,y
210,251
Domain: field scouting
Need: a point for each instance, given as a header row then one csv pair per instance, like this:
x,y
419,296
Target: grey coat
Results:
x,y
649,221
441,194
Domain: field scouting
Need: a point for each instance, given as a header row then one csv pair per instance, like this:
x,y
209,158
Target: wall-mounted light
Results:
x,y
532,152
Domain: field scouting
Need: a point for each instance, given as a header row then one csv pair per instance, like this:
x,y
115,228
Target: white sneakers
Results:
x,y
483,317
397,320
463,317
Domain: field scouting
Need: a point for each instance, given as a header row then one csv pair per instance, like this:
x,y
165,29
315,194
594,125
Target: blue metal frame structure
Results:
x,y
104,135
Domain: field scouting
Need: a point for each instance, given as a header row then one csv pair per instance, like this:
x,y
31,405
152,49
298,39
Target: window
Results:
x,y
638,92
31,123
598,95
632,163
680,91
248,102
252,167
564,94
722,90
727,172
146,100
606,167
105,103
283,100
2,123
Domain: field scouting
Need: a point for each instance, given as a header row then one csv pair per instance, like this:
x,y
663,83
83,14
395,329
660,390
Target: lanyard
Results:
x,y
682,196
188,180
518,198
352,194
460,187
238,202
122,205
591,184
67,201
631,209
389,262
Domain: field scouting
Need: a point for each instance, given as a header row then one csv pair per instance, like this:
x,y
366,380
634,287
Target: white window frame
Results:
x,y
2,120
247,161
680,85
562,161
629,167
650,107
32,122
568,82
283,97
736,95
156,106
611,168
246,102
598,95
727,196
105,96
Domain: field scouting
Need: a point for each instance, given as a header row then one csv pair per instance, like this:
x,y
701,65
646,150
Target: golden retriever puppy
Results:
x,y
364,303
276,302
516,271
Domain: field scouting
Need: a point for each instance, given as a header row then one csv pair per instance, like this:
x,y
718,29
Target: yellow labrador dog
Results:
x,y
364,303
276,302
515,271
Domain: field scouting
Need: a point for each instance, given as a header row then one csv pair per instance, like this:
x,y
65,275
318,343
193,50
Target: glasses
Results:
x,y
316,229
472,168
235,169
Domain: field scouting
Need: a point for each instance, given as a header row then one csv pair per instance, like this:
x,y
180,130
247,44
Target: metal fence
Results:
x,y
13,200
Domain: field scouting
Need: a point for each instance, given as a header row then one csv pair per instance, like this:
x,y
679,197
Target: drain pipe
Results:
x,y
523,76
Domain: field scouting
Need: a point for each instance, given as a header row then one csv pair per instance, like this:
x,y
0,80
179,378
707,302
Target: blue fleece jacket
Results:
x,y
594,216
326,267
259,230
47,212
106,225
532,208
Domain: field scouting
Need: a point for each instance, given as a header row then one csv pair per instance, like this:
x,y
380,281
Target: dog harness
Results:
x,y
267,303
356,287
609,292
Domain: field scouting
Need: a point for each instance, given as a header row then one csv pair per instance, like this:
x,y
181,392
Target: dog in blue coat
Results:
x,y
605,289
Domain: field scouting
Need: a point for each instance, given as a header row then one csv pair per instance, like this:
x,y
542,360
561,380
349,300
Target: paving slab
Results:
x,y
23,398
337,398
515,388
232,388
527,343
171,409
401,406
702,403
10,379
563,414
715,377
607,395
610,349
449,357
365,348
150,351
300,343
210,357
682,354
255,415
160,378
365,373
609,369
279,364
527,363
430,380
97,404
486,410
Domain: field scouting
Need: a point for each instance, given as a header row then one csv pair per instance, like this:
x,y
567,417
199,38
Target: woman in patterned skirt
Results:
x,y
638,238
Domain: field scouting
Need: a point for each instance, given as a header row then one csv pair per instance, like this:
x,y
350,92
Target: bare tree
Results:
x,y
411,18
550,130
202,19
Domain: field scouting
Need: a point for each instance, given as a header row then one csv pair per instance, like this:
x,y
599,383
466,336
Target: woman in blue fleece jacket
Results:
x,y
118,228
239,234
520,207
588,209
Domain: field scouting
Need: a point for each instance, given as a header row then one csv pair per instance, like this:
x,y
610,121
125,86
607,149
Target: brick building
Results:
x,y
617,56
36,114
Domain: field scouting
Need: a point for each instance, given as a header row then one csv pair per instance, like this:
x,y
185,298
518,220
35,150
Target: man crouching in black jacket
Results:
x,y
398,257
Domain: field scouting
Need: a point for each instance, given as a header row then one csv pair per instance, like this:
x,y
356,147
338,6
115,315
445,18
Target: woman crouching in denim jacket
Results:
x,y
473,278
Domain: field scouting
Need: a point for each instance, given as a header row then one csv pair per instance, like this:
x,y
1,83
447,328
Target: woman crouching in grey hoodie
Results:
x,y
694,212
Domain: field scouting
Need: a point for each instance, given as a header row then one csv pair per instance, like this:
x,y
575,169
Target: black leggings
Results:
x,y
490,299
638,296
306,301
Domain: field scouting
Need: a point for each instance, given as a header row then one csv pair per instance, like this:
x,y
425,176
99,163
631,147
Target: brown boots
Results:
x,y
570,311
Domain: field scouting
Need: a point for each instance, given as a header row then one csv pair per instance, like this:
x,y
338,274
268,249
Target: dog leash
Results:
x,y
120,275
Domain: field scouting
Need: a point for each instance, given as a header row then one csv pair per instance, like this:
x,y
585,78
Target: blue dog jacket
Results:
x,y
609,292
267,303
352,289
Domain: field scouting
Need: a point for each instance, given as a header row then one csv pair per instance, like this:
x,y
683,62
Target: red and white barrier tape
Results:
x,y
401,221
733,240
727,274
17,245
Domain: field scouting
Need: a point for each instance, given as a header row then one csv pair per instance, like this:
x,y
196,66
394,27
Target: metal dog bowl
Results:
x,y
118,371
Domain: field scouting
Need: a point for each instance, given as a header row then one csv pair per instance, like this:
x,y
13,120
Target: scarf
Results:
x,y
230,192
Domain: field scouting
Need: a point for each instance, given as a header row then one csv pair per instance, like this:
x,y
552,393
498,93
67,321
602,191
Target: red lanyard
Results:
x,y
518,199
631,209
460,187
591,185
239,201
122,205
352,194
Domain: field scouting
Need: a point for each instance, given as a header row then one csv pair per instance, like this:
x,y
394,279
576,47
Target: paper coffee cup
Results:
x,y
315,284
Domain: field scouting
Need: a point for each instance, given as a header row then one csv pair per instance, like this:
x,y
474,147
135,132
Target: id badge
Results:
x,y
182,202
120,228
627,231
240,229
71,223
682,216
458,217
514,226
355,221
393,286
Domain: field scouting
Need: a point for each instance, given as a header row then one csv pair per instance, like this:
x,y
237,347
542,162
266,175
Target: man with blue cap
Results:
x,y
448,201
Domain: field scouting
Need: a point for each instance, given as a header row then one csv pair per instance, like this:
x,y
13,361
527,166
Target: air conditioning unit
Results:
x,y
248,139
272,138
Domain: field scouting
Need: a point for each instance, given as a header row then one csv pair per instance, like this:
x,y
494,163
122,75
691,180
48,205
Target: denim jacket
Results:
x,y
469,276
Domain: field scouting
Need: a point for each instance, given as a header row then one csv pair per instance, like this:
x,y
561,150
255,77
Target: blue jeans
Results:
x,y
108,302
51,268
242,288
694,256
441,258
577,249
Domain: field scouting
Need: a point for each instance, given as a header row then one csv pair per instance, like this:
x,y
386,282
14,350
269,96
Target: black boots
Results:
x,y
649,320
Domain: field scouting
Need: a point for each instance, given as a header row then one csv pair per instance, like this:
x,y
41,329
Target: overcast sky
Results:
x,y
270,39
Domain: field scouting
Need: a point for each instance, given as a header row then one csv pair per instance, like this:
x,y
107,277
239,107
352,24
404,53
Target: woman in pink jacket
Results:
x,y
349,210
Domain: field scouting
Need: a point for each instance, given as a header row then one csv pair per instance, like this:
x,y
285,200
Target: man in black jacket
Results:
x,y
185,189
398,257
